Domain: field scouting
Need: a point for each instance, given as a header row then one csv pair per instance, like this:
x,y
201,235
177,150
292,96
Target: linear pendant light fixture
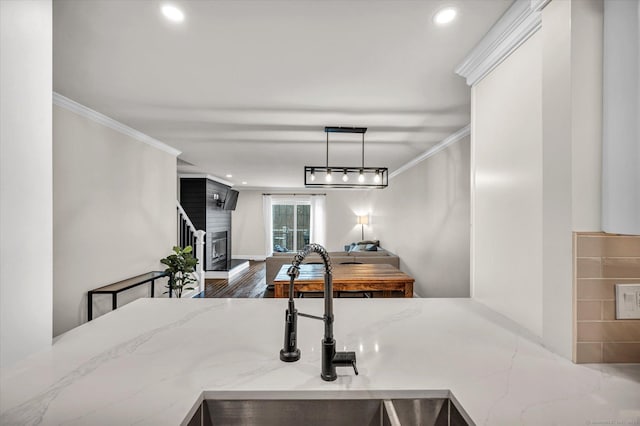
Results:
x,y
345,177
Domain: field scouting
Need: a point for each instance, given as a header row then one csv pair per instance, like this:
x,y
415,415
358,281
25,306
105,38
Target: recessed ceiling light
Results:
x,y
445,16
229,176
244,183
172,13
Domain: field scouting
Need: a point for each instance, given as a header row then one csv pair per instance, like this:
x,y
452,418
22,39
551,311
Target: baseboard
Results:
x,y
190,293
250,256
239,269
225,275
216,275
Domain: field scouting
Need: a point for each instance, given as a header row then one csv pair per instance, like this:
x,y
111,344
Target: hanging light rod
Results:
x,y
331,129
345,176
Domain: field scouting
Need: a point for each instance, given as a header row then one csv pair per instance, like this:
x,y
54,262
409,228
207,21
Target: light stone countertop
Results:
x,y
151,361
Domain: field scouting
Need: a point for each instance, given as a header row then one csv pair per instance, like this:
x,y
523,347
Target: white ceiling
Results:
x,y
246,87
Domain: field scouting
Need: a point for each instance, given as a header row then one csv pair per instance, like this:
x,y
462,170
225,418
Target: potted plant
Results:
x,y
180,267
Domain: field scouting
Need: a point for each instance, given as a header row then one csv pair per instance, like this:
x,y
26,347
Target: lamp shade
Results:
x,y
363,220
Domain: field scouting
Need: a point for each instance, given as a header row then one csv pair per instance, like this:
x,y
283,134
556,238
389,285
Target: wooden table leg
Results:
x,y
408,290
277,291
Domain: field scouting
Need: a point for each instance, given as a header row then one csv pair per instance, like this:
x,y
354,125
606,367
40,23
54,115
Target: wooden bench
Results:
x,y
115,288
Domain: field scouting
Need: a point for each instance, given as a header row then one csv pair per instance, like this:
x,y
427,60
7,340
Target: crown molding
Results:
x,y
204,176
518,23
451,139
538,5
86,112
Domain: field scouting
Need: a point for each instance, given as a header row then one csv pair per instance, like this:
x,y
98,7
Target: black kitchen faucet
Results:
x,y
330,358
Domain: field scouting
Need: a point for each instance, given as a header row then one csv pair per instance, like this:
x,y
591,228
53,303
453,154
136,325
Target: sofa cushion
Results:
x,y
363,246
391,260
374,242
377,253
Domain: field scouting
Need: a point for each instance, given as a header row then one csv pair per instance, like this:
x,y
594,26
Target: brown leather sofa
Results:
x,y
275,262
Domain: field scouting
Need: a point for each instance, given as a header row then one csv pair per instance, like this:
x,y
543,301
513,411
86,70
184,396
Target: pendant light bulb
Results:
x,y
376,178
345,177
361,176
313,175
328,177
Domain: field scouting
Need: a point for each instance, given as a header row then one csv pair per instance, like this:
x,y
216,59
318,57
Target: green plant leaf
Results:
x,y
180,267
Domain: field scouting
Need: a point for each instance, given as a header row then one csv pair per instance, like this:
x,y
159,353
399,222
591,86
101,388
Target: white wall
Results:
x,y
572,144
114,214
25,178
621,154
536,156
342,206
585,80
423,217
247,226
506,161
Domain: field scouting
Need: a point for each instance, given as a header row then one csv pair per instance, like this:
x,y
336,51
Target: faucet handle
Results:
x,y
345,359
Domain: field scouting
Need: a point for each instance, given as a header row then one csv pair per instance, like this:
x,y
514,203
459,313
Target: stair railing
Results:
x,y
188,235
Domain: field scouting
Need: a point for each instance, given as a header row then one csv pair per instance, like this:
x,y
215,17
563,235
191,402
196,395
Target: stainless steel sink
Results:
x,y
334,412
300,412
428,411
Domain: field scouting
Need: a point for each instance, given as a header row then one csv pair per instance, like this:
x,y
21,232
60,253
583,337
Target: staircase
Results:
x,y
188,235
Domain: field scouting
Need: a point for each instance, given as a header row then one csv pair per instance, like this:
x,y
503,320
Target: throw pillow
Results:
x,y
374,242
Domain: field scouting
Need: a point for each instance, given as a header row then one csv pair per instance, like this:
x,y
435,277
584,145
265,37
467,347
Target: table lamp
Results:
x,y
363,220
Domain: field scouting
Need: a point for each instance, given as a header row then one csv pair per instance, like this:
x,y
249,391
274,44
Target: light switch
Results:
x,y
627,301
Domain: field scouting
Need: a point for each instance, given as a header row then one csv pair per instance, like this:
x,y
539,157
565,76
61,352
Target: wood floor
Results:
x,y
250,283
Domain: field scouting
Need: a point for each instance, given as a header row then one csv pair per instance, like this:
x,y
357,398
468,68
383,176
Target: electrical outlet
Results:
x,y
627,301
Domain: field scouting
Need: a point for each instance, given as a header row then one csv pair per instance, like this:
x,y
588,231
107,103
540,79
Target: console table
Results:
x,y
346,277
115,288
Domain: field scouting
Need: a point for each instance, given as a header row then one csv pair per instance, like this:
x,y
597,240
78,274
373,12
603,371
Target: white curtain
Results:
x,y
318,220
268,223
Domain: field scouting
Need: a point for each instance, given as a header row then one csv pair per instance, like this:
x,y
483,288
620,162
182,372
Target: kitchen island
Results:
x,y
152,362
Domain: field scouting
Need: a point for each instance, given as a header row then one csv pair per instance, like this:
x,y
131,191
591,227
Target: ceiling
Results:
x,y
246,87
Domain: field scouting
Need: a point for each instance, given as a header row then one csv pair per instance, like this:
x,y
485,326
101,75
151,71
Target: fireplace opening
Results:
x,y
218,251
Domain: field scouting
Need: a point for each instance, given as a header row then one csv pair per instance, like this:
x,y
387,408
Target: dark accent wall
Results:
x,y
193,201
200,198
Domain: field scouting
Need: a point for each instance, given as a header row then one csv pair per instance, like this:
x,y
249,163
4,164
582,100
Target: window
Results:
x,y
293,222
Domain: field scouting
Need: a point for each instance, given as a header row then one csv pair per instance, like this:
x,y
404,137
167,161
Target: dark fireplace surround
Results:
x,y
218,252
199,198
